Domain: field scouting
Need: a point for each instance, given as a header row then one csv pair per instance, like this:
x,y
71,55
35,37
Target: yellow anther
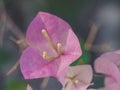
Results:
x,y
46,57
75,81
59,47
45,34
44,54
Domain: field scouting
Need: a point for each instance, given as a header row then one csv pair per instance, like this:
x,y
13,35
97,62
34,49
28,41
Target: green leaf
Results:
x,y
16,85
85,58
98,81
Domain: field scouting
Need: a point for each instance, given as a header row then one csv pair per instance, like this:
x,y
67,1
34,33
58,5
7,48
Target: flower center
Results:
x,y
73,79
57,48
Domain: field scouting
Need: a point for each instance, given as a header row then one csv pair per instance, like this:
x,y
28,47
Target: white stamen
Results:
x,y
44,54
45,57
59,46
45,34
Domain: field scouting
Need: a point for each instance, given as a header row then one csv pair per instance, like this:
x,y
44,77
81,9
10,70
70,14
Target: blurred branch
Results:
x,y
14,67
91,36
7,23
22,45
44,82
101,48
15,30
2,25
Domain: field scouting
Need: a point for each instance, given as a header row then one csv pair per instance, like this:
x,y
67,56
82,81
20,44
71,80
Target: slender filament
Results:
x,y
59,47
45,34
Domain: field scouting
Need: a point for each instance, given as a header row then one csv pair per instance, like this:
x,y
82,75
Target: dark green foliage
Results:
x,y
16,85
4,56
85,58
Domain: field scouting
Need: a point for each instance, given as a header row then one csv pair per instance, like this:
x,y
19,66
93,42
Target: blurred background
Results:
x,y
95,22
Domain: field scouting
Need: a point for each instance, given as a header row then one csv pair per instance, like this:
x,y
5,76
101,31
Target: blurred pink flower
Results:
x,y
76,78
109,65
53,46
29,88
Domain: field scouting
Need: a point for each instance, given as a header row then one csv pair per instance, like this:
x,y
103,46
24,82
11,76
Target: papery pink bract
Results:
x,y
32,64
76,78
108,64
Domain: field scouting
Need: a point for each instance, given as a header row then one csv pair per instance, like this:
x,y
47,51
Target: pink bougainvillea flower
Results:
x,y
76,78
109,65
53,46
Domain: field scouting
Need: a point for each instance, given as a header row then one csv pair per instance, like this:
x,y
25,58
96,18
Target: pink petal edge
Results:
x,y
106,64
